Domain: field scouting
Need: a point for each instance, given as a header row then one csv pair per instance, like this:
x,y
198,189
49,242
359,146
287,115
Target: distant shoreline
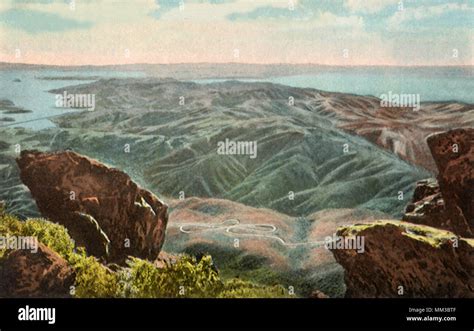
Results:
x,y
225,64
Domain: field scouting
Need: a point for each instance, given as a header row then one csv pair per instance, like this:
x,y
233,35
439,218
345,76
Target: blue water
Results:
x,y
32,93
431,83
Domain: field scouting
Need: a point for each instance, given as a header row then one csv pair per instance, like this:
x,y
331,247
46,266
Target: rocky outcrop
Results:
x,y
428,207
40,274
102,208
447,203
413,260
453,152
406,260
427,203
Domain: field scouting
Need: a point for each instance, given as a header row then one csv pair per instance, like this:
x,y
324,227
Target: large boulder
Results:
x,y
447,202
414,260
406,260
102,208
35,274
453,152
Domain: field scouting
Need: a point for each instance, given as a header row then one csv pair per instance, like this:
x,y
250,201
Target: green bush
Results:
x,y
237,288
52,235
93,279
187,277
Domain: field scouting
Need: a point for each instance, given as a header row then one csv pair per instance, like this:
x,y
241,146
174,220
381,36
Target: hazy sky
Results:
x,y
340,32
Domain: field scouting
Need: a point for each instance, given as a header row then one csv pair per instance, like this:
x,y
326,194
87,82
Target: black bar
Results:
x,y
290,314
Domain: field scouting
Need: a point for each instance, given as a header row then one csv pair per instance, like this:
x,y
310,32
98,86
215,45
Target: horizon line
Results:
x,y
239,63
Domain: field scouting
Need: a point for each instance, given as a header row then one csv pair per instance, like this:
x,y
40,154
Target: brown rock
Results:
x,y
447,203
425,261
428,207
165,259
427,201
425,188
41,274
419,260
102,208
453,152
316,294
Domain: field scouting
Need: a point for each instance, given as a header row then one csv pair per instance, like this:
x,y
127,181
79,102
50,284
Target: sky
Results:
x,y
328,32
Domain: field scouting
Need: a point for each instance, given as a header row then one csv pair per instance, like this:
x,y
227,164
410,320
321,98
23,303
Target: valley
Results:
x,y
324,161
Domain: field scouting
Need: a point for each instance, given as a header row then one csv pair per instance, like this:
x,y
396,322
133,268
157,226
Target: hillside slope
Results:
x,y
173,146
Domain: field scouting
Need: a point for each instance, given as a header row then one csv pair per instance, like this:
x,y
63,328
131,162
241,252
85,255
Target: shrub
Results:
x,y
185,278
52,235
188,277
93,279
237,288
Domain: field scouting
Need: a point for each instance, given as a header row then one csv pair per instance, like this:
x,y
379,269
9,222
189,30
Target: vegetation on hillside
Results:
x,y
188,277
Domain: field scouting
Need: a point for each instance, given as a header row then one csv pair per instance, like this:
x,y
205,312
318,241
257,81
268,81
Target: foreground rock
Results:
x,y
448,202
102,208
453,152
40,274
406,260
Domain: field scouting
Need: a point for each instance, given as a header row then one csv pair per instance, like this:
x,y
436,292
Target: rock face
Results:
x,y
428,207
453,152
38,274
447,203
102,208
425,261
